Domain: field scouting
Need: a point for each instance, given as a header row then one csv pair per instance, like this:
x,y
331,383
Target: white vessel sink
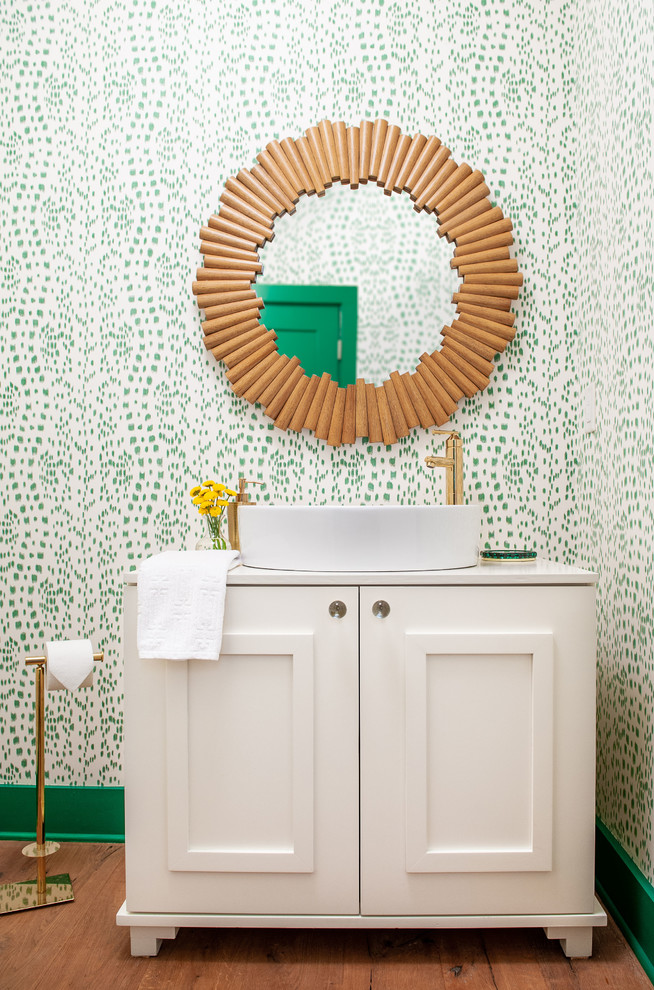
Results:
x,y
360,537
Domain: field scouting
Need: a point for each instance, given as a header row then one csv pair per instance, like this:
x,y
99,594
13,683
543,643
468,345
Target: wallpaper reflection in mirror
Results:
x,y
391,253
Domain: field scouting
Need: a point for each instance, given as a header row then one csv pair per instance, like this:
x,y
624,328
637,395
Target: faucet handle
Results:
x,y
448,433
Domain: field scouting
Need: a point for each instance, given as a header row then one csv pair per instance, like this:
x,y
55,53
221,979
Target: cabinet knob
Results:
x,y
381,609
337,610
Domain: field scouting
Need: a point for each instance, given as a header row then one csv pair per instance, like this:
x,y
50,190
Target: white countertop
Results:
x,y
537,572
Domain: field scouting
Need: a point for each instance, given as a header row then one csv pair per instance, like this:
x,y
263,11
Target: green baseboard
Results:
x,y
627,895
72,814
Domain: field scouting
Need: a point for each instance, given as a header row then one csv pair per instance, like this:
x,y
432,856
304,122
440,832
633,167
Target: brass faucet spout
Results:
x,y
453,465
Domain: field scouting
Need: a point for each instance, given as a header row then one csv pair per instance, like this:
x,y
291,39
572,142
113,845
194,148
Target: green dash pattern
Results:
x,y
121,122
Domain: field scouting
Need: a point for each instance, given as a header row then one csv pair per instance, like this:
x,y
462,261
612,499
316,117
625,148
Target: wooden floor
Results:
x,y
77,945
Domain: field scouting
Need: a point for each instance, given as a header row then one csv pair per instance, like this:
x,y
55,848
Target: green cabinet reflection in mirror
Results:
x,y
318,323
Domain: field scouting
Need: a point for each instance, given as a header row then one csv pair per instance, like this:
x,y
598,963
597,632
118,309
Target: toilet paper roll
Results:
x,y
70,664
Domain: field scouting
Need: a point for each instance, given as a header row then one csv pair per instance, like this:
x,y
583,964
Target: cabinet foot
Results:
x,y
577,942
147,941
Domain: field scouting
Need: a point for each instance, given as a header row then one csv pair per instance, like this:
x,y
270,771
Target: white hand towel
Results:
x,y
181,604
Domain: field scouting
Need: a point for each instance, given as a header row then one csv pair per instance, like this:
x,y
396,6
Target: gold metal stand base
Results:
x,y
35,851
26,894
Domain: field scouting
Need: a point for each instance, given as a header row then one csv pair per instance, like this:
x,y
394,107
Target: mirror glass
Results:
x,y
391,253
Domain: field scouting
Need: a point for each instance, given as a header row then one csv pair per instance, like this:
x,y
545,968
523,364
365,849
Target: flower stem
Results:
x,y
214,524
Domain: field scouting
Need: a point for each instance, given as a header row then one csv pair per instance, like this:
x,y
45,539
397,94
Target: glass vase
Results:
x,y
214,524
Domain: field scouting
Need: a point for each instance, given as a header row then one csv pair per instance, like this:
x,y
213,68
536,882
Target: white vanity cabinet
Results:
x,y
415,751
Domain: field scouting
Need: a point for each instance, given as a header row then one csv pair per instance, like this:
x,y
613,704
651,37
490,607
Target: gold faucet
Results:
x,y
453,464
242,498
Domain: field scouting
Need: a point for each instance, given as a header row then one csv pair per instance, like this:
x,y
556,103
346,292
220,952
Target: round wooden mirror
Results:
x,y
458,198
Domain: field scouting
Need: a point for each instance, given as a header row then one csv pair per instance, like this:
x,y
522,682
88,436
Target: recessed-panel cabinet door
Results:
x,y
252,763
477,736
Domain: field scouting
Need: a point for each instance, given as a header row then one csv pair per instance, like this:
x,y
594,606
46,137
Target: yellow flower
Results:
x,y
211,497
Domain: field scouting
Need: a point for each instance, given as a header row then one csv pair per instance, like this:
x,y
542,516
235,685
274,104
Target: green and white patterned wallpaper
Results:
x,y
614,489
122,119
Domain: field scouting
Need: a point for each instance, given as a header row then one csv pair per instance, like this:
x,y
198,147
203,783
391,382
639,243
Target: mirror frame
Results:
x,y
456,195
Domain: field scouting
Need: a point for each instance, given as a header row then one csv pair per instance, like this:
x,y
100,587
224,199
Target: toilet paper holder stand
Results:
x,y
44,890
